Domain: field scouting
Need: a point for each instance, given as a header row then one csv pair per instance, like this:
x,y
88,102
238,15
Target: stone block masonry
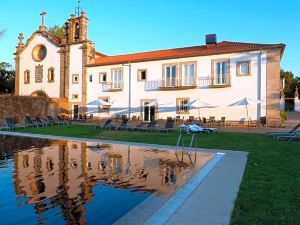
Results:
x,y
17,107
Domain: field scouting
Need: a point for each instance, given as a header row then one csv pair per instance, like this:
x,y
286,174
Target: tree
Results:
x,y
57,31
290,83
7,78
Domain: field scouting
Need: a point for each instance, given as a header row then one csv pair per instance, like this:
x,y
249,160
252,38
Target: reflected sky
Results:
x,y
67,182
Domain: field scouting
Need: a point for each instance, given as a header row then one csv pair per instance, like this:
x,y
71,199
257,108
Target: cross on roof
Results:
x,y
43,13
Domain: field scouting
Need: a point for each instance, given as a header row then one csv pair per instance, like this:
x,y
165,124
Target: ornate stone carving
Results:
x,y
21,38
39,53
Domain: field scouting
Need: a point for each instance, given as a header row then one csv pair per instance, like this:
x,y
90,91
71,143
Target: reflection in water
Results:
x,y
73,177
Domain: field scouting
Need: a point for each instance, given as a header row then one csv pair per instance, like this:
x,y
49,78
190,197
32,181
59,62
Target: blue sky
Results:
x,y
125,26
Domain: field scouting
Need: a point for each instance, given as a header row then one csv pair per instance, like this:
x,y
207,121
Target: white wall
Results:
x,y
75,68
27,63
241,87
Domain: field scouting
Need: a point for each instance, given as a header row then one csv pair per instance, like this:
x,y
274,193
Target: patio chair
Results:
x,y
62,121
11,124
221,122
211,120
30,123
106,125
169,125
44,123
191,119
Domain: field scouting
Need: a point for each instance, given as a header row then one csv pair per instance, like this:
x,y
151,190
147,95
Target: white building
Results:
x,y
150,85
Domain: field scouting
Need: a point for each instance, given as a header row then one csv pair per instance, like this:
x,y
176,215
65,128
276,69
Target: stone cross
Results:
x,y
43,13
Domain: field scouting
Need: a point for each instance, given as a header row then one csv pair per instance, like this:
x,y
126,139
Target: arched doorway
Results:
x,y
39,94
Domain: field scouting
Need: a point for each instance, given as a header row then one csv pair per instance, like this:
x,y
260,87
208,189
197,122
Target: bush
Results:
x,y
283,115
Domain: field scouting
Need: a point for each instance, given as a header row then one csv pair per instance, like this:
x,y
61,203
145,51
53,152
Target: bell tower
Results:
x,y
76,29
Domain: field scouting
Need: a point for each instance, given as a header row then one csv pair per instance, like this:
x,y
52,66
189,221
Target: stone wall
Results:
x,y
273,83
17,107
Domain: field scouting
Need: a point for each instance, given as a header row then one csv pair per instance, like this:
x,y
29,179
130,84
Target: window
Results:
x,y
104,108
142,75
183,105
220,73
243,68
117,81
50,75
91,78
75,78
27,77
75,96
102,77
189,74
39,74
170,75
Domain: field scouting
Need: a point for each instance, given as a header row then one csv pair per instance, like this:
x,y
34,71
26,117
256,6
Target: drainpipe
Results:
x,y
259,85
129,89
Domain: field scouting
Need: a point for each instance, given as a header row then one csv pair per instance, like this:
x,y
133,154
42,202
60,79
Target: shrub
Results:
x,y
283,115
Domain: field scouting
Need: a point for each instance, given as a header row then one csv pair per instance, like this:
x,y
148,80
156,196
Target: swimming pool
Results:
x,y
70,182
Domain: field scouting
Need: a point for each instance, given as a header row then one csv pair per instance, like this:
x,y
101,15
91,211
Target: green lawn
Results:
x,y
270,190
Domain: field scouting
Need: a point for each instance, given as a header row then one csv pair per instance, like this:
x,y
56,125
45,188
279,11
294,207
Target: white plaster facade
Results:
x,y
77,56
27,63
253,87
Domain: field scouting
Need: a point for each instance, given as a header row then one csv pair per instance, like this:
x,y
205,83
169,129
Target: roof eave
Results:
x,y
282,46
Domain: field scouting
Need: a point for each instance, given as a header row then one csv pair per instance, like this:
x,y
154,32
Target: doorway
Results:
x,y
148,112
75,111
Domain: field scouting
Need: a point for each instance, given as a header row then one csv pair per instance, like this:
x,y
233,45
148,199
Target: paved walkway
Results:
x,y
210,202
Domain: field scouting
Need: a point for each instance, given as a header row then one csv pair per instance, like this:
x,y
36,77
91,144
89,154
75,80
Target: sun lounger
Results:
x,y
289,136
4,127
275,134
151,126
11,124
193,128
123,126
106,125
62,121
44,123
169,125
52,121
30,123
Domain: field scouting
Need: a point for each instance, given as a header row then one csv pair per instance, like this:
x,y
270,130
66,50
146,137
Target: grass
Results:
x,y
270,189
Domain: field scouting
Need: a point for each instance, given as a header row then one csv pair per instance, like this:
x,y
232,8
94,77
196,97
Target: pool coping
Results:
x,y
211,202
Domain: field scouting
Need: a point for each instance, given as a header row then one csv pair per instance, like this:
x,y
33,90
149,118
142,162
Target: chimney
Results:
x,y
210,39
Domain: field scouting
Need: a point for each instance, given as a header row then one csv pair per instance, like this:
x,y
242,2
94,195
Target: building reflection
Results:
x,y
64,173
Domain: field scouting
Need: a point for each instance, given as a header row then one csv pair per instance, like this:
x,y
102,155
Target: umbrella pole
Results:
x,y
247,115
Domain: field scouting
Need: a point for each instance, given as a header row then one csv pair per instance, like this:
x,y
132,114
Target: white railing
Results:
x,y
113,86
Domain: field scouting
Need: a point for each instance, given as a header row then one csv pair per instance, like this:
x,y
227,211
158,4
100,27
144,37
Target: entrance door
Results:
x,y
75,111
149,112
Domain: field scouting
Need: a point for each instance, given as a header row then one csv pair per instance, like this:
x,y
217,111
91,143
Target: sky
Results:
x,y
128,26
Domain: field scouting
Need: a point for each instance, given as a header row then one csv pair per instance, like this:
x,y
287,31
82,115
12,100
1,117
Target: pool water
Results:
x,y
67,182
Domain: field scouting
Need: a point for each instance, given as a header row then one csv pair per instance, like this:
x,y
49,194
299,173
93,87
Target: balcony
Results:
x,y
199,82
220,81
174,84
112,86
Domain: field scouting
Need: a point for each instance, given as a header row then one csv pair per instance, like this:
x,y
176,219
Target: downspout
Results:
x,y
129,92
259,80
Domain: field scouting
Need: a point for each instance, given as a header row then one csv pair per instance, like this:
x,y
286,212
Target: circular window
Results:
x,y
39,53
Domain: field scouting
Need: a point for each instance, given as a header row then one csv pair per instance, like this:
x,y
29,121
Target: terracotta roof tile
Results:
x,y
219,48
